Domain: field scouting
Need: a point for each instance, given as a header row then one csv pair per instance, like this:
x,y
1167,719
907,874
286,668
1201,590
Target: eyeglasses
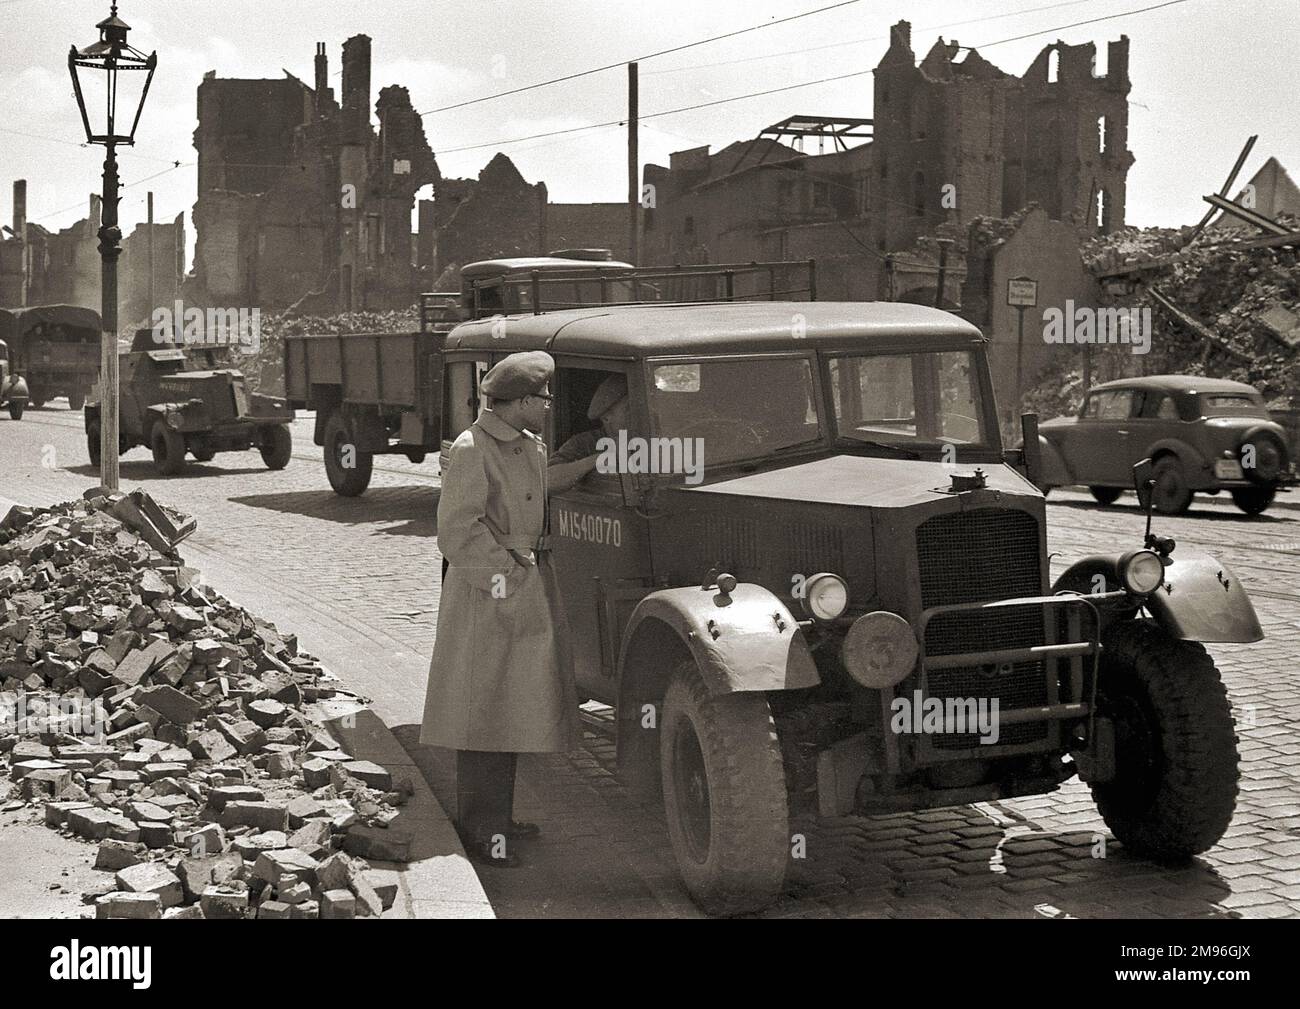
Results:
x,y
542,395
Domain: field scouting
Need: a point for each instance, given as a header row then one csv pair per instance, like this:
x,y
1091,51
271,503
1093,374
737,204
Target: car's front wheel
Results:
x,y
1171,495
724,794
1253,500
1105,495
1176,760
277,448
168,446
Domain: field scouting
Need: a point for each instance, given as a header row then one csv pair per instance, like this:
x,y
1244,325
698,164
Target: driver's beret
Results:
x,y
606,395
518,375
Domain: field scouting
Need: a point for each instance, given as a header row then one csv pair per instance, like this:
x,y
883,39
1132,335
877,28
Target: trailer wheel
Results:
x,y
168,449
277,446
1176,759
92,443
724,795
347,467
76,400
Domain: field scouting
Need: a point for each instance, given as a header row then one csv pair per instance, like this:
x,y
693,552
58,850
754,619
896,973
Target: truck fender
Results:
x,y
1054,471
746,640
1201,599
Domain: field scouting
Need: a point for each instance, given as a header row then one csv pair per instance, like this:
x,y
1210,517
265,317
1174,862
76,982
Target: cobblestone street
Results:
x,y
369,615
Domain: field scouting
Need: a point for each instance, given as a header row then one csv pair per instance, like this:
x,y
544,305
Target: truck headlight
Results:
x,y
880,649
825,596
1142,571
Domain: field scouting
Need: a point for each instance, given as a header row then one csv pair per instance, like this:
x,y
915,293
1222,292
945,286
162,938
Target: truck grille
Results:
x,y
982,556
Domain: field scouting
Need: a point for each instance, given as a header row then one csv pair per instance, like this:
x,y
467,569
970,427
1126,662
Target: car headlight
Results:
x,y
880,649
1142,571
825,596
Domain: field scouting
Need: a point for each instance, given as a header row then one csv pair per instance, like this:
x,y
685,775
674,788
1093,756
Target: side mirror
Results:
x,y
1143,482
1033,451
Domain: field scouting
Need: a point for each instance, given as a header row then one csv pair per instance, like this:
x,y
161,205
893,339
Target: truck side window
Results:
x,y
463,402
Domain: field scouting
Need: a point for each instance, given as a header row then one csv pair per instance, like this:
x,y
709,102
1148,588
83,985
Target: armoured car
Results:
x,y
173,407
847,608
1202,434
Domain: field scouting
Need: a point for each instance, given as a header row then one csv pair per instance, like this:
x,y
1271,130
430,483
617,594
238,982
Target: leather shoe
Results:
x,y
521,829
485,853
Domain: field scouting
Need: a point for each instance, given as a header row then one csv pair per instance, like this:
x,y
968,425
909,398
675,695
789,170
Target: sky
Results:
x,y
1205,75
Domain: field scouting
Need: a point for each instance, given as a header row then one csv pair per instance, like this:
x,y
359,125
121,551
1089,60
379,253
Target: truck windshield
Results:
x,y
739,409
908,399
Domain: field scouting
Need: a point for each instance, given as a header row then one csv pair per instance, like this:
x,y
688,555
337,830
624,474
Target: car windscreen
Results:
x,y
910,400
1231,404
739,409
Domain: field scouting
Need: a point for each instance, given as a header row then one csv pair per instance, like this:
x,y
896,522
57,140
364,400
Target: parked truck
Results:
x,y
382,393
57,349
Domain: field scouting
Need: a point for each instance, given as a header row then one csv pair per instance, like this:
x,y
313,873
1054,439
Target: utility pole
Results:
x,y
150,305
633,169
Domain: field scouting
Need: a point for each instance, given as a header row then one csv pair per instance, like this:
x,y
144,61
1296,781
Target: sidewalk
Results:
x,y
439,881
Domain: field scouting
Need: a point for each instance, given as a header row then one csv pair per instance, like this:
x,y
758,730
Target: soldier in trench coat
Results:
x,y
501,679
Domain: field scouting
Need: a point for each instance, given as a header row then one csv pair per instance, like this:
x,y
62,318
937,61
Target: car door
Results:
x,y
599,541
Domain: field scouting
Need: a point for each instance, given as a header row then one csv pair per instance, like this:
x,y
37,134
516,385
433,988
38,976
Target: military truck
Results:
x,y
13,387
176,400
811,567
381,393
57,349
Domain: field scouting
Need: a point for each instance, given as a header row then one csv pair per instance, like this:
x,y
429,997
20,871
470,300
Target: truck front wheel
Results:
x,y
1176,773
346,466
724,795
277,447
168,447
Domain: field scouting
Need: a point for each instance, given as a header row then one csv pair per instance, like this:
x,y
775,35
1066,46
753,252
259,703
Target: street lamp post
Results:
x,y
113,57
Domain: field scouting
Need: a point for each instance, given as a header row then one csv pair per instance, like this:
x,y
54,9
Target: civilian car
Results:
x,y
1202,434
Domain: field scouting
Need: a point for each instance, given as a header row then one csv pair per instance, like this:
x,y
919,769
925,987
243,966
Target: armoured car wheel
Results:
x,y
278,447
1175,784
347,480
76,400
16,409
724,794
1171,495
168,447
1253,500
1105,495
92,443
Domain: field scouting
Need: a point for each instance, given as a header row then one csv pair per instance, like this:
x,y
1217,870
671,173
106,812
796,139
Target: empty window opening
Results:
x,y
1053,66
1102,139
1103,211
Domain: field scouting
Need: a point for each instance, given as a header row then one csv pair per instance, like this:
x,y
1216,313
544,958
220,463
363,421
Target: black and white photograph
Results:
x,y
557,459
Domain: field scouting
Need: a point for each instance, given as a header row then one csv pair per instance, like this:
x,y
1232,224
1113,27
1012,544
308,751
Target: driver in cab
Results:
x,y
577,457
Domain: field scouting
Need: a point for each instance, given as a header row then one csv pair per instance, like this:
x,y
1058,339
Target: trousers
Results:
x,y
485,793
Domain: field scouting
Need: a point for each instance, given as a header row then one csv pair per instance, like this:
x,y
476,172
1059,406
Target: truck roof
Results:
x,y
634,331
497,267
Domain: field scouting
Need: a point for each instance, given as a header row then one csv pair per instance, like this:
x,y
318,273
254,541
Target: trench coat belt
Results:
x,y
539,544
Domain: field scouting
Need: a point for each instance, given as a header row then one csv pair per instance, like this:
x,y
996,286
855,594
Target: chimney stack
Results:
x,y
322,77
356,81
20,209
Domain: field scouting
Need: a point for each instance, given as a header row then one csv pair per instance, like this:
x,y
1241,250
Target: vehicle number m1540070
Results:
x,y
598,529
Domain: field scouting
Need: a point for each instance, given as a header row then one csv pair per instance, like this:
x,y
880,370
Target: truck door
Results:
x,y
600,544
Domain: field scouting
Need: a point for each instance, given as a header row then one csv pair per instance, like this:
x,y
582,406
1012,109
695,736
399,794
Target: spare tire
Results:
x,y
1265,448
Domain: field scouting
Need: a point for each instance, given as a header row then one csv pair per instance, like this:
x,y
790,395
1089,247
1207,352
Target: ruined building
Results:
x,y
301,199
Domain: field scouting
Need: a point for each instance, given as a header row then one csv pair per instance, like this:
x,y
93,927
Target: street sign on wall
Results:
x,y
1022,292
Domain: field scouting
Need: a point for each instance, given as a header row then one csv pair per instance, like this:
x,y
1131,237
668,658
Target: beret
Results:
x,y
518,375
606,395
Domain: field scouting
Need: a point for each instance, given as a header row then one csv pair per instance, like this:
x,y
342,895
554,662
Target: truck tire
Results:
x,y
168,449
1170,495
1270,456
346,481
16,408
724,795
76,400
1105,495
1253,500
92,443
1176,773
277,446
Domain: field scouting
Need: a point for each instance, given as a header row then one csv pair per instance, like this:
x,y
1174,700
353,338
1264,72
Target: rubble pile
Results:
x,y
1248,297
143,712
267,371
